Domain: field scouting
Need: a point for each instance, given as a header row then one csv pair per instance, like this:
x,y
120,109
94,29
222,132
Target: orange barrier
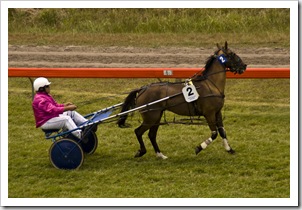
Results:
x,y
139,72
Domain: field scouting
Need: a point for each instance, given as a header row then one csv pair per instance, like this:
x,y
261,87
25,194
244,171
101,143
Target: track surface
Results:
x,y
81,56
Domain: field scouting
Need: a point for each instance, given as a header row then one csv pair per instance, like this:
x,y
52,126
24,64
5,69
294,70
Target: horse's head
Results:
x,y
230,59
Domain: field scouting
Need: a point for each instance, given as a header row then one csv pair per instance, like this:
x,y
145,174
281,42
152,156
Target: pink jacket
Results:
x,y
45,108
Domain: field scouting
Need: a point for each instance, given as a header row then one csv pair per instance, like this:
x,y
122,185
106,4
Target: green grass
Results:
x,y
256,117
203,20
149,27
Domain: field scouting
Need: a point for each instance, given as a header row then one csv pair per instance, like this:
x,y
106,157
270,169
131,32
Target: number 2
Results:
x,y
222,59
189,90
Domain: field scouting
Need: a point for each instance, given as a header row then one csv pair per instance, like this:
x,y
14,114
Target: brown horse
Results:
x,y
209,84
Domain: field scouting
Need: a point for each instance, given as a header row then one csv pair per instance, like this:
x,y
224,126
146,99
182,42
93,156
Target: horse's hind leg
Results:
x,y
211,120
152,136
139,134
223,135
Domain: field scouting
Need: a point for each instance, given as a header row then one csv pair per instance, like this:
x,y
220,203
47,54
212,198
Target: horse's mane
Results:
x,y
204,73
209,63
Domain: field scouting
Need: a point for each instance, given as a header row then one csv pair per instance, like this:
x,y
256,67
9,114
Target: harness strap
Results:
x,y
196,109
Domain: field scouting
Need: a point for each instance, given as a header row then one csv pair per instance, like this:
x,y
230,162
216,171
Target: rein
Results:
x,y
204,77
221,94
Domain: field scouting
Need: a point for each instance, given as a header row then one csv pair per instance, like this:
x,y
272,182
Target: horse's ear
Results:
x,y
218,46
226,45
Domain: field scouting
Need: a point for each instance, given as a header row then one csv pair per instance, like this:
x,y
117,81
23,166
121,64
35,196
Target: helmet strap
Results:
x,y
41,89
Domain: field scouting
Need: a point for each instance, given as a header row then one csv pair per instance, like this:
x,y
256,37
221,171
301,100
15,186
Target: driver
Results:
x,y
51,115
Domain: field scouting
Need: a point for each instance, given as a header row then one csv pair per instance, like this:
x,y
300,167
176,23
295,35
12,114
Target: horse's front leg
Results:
x,y
225,142
223,135
211,120
207,142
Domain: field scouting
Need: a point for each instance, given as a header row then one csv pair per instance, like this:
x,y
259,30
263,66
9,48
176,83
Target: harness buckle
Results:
x,y
188,82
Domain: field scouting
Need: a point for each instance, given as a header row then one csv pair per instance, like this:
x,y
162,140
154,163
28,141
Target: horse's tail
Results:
x,y
128,104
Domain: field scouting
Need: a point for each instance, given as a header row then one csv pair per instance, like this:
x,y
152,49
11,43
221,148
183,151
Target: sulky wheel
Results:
x,y
89,143
66,154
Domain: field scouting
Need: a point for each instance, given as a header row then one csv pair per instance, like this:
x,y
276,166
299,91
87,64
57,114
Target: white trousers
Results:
x,y
69,120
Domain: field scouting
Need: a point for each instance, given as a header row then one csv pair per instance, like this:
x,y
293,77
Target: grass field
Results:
x,y
150,27
256,114
256,118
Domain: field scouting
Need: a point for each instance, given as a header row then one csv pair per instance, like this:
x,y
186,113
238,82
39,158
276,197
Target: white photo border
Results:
x,y
292,201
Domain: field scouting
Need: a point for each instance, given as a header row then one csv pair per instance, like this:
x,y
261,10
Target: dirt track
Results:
x,y
79,56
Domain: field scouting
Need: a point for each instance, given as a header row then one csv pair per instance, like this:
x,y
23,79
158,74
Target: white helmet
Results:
x,y
40,82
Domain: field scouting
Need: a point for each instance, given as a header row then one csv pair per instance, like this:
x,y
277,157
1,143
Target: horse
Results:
x,y
209,85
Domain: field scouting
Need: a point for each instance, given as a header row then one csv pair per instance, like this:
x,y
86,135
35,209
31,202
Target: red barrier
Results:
x,y
139,72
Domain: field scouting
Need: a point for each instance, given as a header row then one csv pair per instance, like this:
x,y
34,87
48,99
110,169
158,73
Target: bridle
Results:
x,y
222,58
205,76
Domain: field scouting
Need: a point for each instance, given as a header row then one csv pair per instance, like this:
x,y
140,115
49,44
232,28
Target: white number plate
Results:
x,y
190,93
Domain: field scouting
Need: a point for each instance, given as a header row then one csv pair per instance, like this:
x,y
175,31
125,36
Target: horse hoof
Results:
x,y
231,151
160,155
198,149
139,154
